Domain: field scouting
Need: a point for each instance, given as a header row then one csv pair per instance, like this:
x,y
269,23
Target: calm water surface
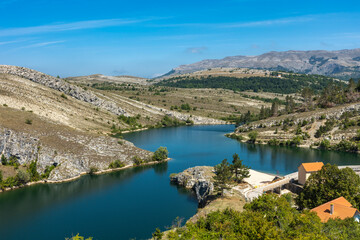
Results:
x,y
133,202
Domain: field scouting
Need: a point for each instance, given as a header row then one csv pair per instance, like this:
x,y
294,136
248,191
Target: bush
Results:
x,y
93,170
1,176
3,160
160,154
346,146
116,164
28,121
22,177
273,142
325,144
236,137
63,96
47,171
32,169
253,136
137,160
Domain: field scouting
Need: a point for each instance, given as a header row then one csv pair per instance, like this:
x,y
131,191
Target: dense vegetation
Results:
x,y
268,217
290,83
24,173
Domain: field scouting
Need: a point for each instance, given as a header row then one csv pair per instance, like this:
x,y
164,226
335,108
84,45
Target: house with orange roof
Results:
x,y
306,169
337,208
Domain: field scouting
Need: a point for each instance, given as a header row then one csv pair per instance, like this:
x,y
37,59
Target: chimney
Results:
x,y
331,209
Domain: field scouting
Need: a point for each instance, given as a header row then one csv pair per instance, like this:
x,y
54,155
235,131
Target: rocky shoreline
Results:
x,y
105,171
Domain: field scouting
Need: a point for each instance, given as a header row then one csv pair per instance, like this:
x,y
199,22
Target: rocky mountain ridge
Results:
x,y
62,86
342,64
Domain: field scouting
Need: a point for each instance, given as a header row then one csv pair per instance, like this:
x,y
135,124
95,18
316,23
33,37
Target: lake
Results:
x,y
131,203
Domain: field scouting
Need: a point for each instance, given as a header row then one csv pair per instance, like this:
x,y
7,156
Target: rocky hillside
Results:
x,y
29,138
341,64
334,128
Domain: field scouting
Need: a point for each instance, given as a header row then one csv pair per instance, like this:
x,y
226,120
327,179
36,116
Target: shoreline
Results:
x,y
105,171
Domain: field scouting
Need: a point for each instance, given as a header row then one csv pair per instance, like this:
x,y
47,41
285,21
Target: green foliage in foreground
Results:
x,y
268,217
160,154
330,183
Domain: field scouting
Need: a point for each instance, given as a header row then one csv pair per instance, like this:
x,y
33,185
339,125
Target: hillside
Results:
x,y
61,130
342,64
249,80
99,78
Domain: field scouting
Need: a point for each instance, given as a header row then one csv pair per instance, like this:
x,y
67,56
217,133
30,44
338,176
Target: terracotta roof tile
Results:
x,y
342,209
313,166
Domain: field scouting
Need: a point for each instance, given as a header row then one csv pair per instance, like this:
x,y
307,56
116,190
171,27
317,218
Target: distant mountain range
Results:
x,y
342,64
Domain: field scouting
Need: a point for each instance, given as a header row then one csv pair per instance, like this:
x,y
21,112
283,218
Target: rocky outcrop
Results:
x,y
62,86
199,179
88,151
341,64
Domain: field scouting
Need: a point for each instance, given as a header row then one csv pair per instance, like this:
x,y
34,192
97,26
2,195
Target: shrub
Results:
x,y
22,177
137,160
116,164
325,144
160,154
47,171
10,182
253,136
63,96
157,235
273,142
32,169
1,176
346,146
28,121
3,160
93,170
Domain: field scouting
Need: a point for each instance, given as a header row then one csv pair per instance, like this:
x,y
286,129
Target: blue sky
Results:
x,y
148,38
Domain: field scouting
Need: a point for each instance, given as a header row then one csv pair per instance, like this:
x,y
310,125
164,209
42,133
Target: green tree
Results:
x,y
330,183
160,154
253,136
240,170
1,176
32,169
157,235
351,85
307,94
223,176
3,160
22,177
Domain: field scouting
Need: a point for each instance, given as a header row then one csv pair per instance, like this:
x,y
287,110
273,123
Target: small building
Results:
x,y
306,169
337,208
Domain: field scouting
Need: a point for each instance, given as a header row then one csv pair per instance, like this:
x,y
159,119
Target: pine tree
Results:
x,y
240,170
223,176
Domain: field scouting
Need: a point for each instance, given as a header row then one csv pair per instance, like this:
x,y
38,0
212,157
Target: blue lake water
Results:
x,y
133,202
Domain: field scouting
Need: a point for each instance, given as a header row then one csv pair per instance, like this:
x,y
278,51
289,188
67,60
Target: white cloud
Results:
x,y
196,50
67,26
281,21
41,44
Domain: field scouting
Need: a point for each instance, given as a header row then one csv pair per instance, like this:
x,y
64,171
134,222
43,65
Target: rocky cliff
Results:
x,y
199,179
341,64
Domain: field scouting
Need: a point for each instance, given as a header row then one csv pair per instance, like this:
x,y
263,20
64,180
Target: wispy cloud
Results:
x,y
68,26
196,50
41,44
262,23
281,21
